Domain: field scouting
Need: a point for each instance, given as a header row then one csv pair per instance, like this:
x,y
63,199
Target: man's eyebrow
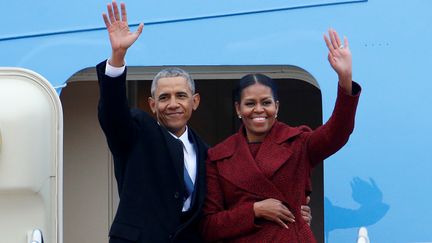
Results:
x,y
183,93
162,94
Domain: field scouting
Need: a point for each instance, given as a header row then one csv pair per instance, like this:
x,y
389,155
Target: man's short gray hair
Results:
x,y
169,73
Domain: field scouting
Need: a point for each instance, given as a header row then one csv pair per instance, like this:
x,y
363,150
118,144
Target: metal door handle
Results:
x,y
36,236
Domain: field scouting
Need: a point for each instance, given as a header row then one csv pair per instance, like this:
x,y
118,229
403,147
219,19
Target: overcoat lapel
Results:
x,y
201,152
192,138
176,153
242,171
199,190
272,153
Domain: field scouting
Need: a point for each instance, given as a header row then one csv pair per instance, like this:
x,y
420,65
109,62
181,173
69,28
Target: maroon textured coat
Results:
x,y
235,180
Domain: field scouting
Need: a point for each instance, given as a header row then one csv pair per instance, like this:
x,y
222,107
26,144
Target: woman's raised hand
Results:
x,y
340,59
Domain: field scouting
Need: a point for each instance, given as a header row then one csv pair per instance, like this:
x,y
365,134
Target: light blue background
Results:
x,y
392,58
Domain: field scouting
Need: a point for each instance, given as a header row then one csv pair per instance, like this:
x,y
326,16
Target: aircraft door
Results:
x,y
30,158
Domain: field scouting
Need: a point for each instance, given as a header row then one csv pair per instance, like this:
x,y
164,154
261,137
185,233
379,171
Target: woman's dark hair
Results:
x,y
255,78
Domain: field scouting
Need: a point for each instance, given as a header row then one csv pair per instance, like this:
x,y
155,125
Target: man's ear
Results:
x,y
152,104
196,100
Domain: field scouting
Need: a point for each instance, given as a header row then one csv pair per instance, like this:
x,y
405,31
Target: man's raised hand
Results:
x,y
121,38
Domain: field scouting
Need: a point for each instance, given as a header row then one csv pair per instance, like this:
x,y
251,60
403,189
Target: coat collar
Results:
x,y
175,151
236,164
278,134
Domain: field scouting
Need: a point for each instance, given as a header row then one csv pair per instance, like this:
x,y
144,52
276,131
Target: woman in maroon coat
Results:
x,y
256,178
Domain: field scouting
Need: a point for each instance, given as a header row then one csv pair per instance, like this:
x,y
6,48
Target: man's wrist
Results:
x,y
112,71
117,58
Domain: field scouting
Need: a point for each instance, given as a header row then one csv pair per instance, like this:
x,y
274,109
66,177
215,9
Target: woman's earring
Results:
x,y
239,116
276,116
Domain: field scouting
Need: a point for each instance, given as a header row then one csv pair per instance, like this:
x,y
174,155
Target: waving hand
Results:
x,y
340,59
120,36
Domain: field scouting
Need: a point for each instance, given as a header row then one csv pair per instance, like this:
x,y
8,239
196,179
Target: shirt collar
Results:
x,y
187,144
184,137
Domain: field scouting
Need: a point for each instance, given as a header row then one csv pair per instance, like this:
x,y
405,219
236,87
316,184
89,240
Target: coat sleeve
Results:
x,y
219,223
113,111
333,135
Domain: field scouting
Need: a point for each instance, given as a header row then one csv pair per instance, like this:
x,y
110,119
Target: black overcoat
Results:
x,y
149,170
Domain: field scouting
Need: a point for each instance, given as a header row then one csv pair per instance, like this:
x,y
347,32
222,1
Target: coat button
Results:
x,y
176,195
170,236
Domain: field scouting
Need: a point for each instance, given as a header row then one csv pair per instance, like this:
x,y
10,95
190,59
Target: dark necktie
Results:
x,y
187,179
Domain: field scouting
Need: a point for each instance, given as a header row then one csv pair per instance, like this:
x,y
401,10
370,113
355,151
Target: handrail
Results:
x,y
363,236
36,236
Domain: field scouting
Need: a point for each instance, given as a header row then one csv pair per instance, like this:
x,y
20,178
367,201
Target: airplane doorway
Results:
x,y
89,185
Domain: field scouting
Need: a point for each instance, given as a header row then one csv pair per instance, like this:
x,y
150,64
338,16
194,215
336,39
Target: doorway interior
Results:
x,y
90,193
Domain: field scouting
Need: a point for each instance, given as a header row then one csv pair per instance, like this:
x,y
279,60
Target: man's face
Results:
x,y
173,103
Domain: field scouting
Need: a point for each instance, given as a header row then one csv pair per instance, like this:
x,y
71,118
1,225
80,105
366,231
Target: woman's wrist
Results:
x,y
256,208
345,82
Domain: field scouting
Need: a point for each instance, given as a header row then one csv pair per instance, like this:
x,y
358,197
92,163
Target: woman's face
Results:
x,y
258,111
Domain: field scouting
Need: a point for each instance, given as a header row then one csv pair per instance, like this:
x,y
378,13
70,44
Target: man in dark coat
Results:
x,y
159,163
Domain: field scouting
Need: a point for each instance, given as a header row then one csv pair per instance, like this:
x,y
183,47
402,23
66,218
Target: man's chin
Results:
x,y
176,129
